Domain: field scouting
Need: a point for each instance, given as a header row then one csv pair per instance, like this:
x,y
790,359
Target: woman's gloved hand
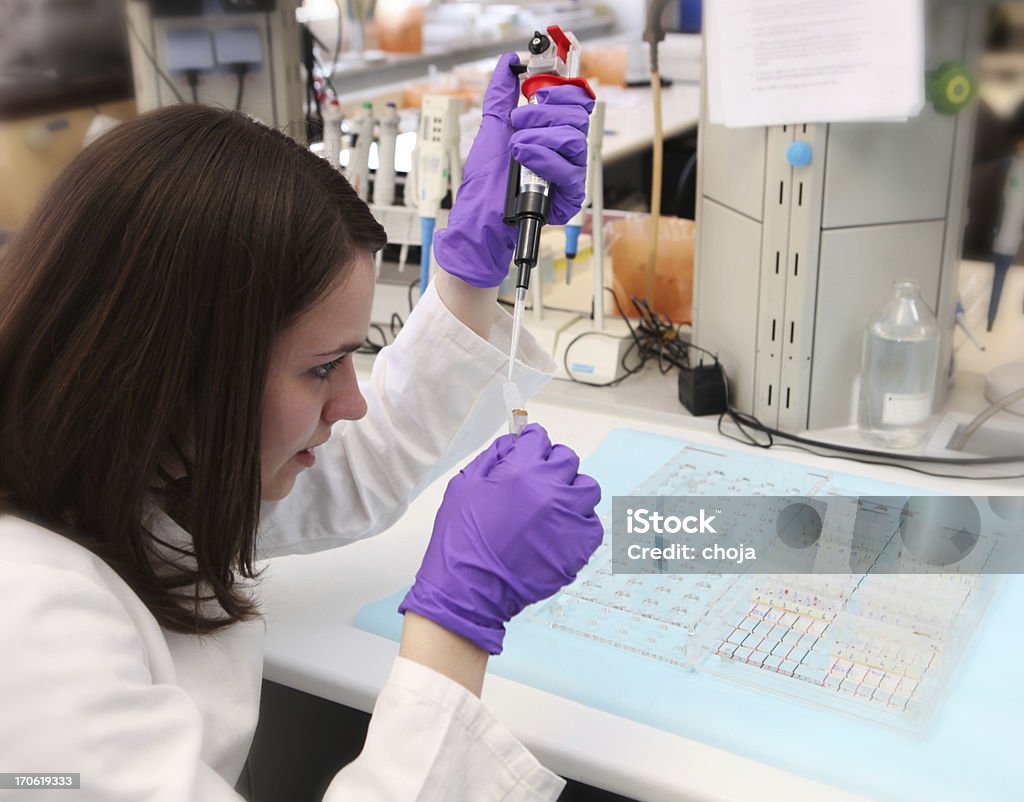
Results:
x,y
549,138
515,526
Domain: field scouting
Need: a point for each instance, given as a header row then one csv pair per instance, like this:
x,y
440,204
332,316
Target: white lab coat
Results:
x,y
90,683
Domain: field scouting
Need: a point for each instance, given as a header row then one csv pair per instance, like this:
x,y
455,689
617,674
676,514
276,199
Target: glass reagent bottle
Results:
x,y
898,372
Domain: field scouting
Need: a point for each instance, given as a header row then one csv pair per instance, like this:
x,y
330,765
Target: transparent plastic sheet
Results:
x,y
628,243
878,647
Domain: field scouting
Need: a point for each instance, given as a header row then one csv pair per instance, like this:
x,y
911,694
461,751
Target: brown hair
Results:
x,y
138,307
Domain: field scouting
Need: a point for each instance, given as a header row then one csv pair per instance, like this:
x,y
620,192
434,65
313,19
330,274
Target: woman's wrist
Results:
x,y
476,307
443,651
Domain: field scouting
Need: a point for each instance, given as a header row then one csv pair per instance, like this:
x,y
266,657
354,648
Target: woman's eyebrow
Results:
x,y
344,348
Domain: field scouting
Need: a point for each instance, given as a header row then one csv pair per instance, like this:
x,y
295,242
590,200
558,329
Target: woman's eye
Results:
x,y
322,371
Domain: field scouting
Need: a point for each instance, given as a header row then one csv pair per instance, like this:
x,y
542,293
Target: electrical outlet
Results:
x,y
238,46
189,50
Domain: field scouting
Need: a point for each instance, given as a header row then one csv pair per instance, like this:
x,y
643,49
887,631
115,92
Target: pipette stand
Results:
x,y
545,325
402,224
596,347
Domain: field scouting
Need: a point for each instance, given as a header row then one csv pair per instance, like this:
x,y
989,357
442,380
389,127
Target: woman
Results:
x,y
175,325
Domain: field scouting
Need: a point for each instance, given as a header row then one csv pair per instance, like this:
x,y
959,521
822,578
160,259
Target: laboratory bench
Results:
x,y
317,656
368,73
629,115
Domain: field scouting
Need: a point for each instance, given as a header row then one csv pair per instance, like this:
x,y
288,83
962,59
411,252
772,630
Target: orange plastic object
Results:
x,y
628,243
605,65
400,27
412,95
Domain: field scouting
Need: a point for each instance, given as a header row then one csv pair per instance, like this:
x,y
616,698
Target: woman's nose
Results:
x,y
345,402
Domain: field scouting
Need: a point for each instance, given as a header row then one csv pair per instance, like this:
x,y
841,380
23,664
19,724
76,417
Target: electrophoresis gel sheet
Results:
x,y
878,646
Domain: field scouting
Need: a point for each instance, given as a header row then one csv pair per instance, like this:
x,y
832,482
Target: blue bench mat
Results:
x,y
970,752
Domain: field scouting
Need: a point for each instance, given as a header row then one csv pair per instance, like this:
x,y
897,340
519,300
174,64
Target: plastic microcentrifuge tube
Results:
x,y
517,415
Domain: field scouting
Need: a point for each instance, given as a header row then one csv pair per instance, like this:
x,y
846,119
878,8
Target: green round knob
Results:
x,y
950,87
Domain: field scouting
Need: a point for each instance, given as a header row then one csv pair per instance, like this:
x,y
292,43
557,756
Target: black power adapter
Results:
x,y
702,389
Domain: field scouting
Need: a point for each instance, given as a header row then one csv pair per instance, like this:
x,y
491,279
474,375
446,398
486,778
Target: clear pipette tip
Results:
x,y
517,415
517,327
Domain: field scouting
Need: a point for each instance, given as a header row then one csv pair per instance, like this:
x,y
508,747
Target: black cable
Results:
x,y
396,325
703,351
412,285
152,60
313,111
337,43
654,337
734,416
369,346
657,337
326,80
321,71
192,77
742,420
684,177
240,70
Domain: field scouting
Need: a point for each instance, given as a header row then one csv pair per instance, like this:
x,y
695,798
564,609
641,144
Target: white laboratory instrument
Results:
x,y
358,169
332,132
387,136
438,167
592,350
595,139
794,250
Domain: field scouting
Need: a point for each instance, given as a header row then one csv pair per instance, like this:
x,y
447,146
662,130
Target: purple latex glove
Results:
x,y
515,526
549,138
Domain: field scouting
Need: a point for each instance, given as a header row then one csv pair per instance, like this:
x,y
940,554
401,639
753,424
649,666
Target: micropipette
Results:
x,y
1009,236
358,169
554,60
438,168
384,181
